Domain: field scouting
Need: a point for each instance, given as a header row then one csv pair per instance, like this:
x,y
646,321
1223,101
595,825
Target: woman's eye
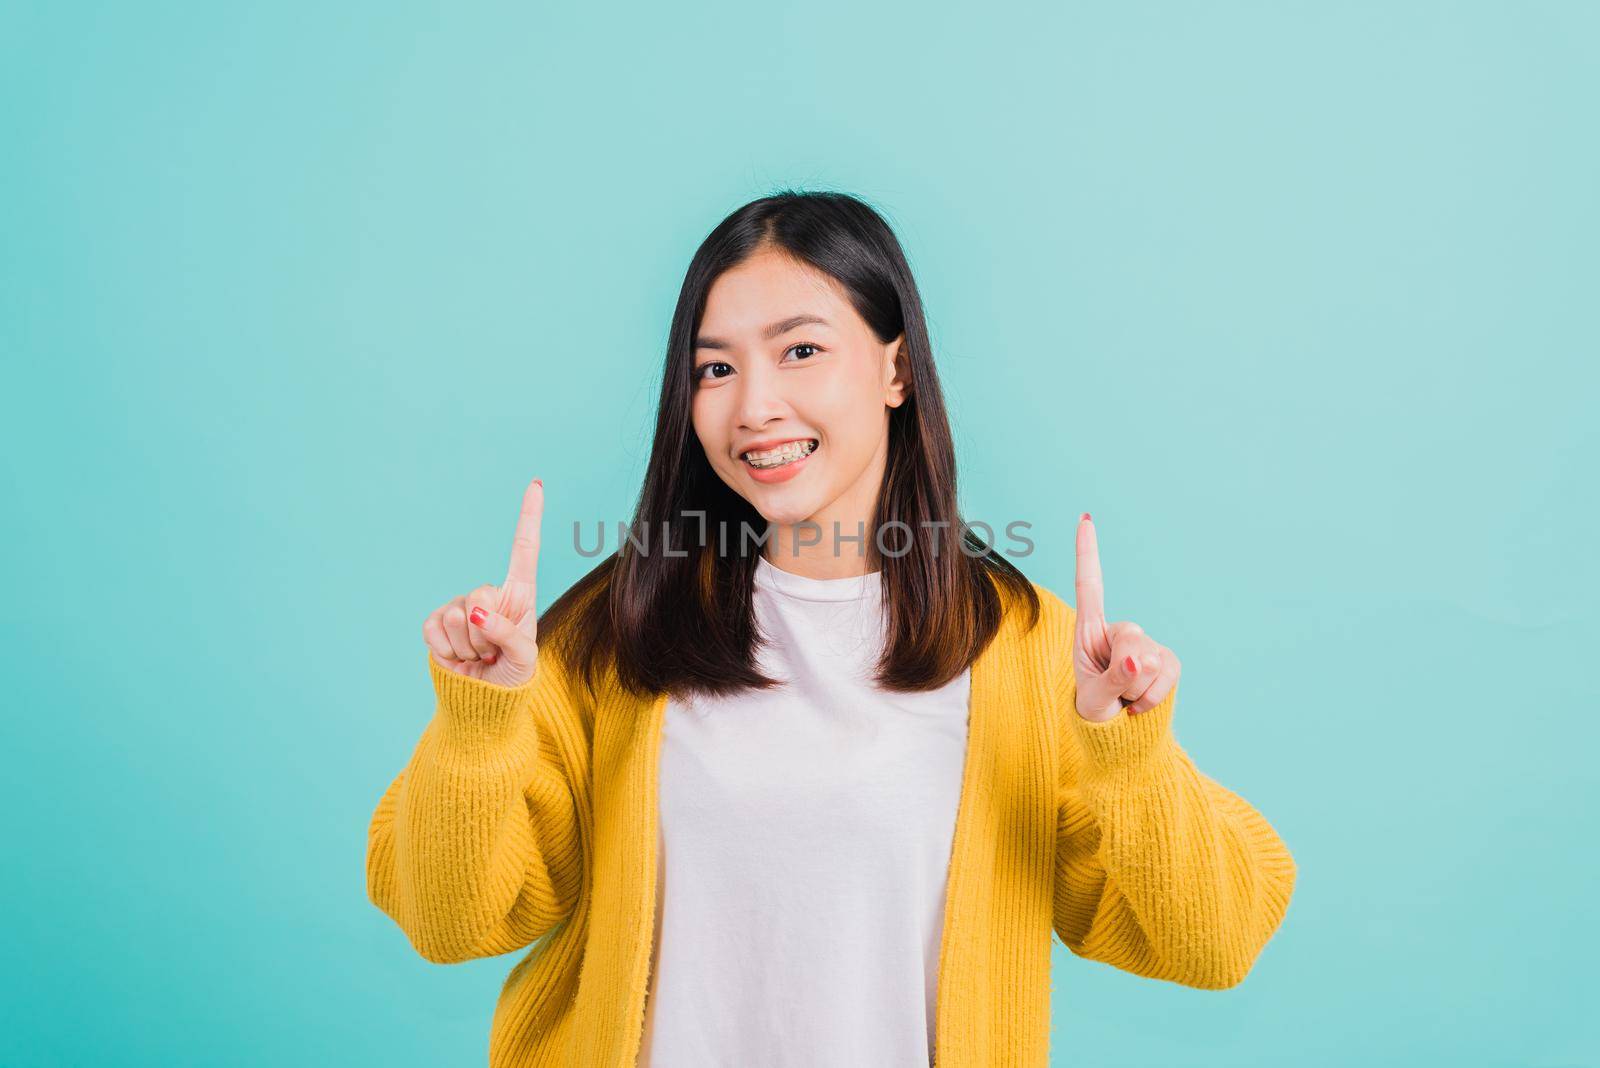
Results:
x,y
700,372
803,345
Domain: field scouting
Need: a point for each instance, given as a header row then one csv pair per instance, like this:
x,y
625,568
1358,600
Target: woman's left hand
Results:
x,y
1116,664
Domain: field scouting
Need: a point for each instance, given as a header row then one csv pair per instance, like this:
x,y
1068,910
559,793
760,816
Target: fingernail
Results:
x,y
478,615
1132,665
538,482
1084,516
491,659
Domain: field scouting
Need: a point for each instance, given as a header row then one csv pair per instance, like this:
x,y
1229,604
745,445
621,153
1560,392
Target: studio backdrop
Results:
x,y
1298,300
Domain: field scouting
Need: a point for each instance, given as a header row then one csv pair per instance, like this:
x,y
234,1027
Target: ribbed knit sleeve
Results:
x,y
1160,870
474,848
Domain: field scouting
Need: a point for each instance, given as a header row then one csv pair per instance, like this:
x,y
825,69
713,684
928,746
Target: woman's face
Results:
x,y
763,378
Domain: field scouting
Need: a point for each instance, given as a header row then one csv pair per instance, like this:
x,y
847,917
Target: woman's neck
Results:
x,y
819,561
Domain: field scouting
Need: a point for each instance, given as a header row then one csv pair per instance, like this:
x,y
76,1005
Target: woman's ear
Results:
x,y
897,373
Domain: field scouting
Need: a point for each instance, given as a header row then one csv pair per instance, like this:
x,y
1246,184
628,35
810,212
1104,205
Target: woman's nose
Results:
x,y
761,400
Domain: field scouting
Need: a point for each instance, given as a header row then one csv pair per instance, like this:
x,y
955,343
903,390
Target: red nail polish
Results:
x,y
1085,515
539,482
491,659
1132,665
478,615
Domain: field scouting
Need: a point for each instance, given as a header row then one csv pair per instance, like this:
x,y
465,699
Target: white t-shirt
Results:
x,y
804,849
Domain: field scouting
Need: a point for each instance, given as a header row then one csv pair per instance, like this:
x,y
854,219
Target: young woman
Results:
x,y
806,773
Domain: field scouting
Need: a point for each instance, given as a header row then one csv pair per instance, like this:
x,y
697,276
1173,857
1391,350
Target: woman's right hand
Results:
x,y
491,633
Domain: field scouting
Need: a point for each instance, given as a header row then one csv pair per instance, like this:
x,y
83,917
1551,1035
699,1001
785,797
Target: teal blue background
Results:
x,y
1297,299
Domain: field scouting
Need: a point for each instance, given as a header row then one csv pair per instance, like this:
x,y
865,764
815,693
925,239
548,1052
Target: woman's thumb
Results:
x,y
1104,691
514,643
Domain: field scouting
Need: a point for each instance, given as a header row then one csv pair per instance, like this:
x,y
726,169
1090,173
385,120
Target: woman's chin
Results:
x,y
782,516
784,503
782,508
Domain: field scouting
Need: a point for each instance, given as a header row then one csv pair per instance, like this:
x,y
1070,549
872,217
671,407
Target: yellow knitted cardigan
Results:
x,y
529,813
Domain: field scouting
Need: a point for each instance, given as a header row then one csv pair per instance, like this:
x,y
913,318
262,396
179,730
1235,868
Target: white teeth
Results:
x,y
788,452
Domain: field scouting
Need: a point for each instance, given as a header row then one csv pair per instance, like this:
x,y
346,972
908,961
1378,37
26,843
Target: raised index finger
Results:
x,y
525,546
1090,590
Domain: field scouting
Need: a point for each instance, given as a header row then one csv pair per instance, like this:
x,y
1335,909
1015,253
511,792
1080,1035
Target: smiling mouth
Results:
x,y
787,453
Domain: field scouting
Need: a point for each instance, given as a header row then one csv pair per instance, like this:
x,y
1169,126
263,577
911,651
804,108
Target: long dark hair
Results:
x,y
676,616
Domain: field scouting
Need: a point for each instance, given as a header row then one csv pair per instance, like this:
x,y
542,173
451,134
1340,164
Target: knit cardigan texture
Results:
x,y
526,817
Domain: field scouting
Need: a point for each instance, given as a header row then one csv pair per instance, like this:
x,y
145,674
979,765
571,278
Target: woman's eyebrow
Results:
x,y
782,326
